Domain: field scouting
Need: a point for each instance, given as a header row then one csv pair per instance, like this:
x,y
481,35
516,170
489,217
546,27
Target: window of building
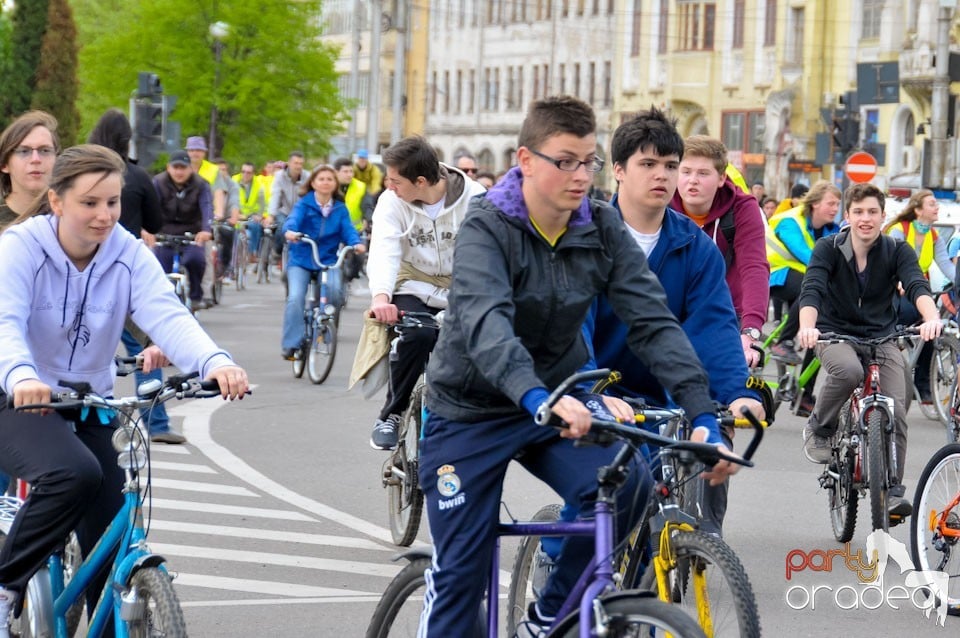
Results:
x,y
872,12
462,14
581,7
576,79
519,88
738,18
546,80
471,90
663,32
591,82
770,24
561,78
446,91
795,33
635,28
458,102
485,95
743,131
495,94
536,81
433,92
696,22
607,83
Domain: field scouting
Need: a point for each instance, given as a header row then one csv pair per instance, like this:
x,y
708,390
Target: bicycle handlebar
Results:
x,y
186,239
341,254
602,431
834,337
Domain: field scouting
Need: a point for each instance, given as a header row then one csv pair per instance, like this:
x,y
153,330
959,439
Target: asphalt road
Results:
x,y
274,517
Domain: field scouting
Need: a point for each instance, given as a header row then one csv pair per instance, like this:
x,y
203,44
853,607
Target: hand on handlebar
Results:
x,y
755,407
575,414
359,249
292,236
203,237
930,330
384,311
233,381
30,392
723,469
807,337
153,358
619,408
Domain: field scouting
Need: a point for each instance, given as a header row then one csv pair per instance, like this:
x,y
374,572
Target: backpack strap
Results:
x,y
727,227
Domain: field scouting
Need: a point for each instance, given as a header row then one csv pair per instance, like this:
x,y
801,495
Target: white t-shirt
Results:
x,y
433,210
647,242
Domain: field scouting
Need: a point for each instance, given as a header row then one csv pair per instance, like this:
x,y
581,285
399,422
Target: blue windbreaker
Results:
x,y
328,232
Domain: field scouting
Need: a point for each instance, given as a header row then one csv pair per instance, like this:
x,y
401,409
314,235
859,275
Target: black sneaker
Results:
x,y
784,353
384,436
288,353
898,508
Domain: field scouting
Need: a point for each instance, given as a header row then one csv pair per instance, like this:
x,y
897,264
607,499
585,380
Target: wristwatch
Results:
x,y
753,333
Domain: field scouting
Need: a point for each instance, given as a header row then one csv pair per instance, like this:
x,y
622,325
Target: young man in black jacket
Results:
x,y
530,257
848,289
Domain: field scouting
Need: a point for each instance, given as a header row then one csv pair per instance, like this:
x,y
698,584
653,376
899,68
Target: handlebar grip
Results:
x,y
757,433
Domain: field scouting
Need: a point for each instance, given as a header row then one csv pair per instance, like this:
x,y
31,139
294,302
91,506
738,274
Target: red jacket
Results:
x,y
748,275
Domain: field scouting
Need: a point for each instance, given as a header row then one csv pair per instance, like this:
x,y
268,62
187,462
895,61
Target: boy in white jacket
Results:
x,y
415,225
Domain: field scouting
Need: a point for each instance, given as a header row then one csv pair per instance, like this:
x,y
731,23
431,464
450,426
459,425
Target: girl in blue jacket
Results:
x,y
321,215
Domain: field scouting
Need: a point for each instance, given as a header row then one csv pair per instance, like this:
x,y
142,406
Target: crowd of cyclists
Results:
x,y
670,282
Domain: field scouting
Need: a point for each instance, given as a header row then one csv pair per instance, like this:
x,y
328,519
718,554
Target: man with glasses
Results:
x,y
415,223
531,257
468,164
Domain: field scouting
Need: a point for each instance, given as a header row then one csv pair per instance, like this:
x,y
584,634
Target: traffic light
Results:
x,y
149,120
846,132
148,85
150,110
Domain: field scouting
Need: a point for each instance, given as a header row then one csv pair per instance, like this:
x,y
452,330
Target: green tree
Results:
x,y
29,23
56,87
277,88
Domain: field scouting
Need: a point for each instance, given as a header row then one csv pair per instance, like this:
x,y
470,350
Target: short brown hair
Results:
x,y
708,147
859,192
14,135
555,116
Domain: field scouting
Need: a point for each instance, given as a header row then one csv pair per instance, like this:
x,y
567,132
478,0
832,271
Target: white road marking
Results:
x,y
182,467
233,510
261,586
362,598
196,486
196,427
265,534
157,448
386,570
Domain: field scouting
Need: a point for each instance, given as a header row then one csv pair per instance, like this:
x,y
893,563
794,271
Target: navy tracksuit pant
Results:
x,y
462,467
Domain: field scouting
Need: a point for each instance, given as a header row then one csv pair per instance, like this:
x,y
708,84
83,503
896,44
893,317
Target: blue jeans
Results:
x,y
156,418
254,234
297,281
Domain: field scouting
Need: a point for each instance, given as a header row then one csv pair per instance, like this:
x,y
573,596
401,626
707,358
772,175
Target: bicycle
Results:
x,y
263,255
238,262
399,475
179,278
935,529
864,448
139,592
593,607
321,320
664,553
219,271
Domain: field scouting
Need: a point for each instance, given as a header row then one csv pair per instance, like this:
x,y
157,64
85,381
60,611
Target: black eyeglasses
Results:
x,y
470,170
26,152
570,164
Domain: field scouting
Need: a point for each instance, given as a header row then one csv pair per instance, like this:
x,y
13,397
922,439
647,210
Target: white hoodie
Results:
x,y
57,323
404,233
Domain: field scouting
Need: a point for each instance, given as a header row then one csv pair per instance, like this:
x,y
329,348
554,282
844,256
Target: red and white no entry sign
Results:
x,y
861,167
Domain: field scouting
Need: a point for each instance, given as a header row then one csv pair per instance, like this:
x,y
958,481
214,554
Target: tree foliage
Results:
x,y
277,87
56,77
29,22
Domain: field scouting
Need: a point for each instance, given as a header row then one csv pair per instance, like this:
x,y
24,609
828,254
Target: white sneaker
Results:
x,y
7,598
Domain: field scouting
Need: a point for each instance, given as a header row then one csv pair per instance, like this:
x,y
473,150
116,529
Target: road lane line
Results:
x,y
196,427
196,486
385,570
233,510
182,467
251,602
265,534
156,448
260,586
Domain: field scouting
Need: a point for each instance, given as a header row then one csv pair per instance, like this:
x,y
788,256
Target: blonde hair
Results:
x,y
816,194
909,212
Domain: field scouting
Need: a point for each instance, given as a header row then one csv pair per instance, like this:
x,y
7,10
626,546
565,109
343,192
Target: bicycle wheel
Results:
x,y
839,483
404,497
876,420
263,259
240,263
321,351
943,377
636,614
300,355
531,566
935,526
161,614
398,612
711,585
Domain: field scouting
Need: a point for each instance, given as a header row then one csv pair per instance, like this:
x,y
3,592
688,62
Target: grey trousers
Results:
x,y
844,372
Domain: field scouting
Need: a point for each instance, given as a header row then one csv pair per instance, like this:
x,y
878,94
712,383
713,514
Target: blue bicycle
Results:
x,y
139,594
177,275
594,607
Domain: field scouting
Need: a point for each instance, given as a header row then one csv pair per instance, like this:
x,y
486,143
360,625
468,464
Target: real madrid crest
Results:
x,y
448,483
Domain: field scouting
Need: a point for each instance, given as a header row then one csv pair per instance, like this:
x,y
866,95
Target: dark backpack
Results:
x,y
727,227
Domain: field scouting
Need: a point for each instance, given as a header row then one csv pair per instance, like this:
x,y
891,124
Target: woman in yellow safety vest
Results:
x,y
790,239
914,225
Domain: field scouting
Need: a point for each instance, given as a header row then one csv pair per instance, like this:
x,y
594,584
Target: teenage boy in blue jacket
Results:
x,y
646,153
530,257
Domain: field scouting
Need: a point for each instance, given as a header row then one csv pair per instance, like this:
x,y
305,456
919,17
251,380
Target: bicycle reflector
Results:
x,y
129,444
329,309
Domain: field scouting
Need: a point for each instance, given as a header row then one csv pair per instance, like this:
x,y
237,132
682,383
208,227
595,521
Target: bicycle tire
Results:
x,y
636,614
732,604
321,352
300,357
529,569
943,378
240,263
393,615
939,484
263,259
877,466
163,615
404,496
842,496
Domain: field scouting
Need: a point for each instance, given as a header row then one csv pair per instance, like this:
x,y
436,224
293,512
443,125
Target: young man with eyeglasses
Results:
x,y
531,256
415,224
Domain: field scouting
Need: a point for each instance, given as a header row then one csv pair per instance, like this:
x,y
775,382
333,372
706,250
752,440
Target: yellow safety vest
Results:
x,y
926,252
266,183
249,205
208,171
737,178
778,254
352,199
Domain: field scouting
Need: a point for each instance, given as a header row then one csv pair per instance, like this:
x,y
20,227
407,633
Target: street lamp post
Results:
x,y
218,31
